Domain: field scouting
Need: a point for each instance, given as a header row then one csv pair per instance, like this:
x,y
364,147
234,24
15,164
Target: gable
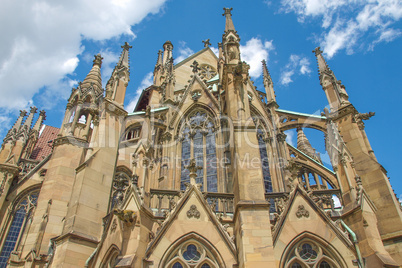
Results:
x,y
303,217
192,219
183,69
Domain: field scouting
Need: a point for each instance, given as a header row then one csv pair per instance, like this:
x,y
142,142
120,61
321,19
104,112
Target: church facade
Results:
x,y
198,175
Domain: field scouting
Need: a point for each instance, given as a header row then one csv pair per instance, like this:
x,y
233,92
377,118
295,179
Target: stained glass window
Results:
x,y
177,265
23,209
201,147
264,162
185,160
324,264
212,176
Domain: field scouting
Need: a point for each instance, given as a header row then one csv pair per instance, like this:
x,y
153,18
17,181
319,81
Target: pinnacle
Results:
x,y
124,57
304,145
229,23
322,65
94,78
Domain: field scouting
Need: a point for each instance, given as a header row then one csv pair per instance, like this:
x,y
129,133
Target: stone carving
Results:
x,y
127,216
359,187
195,95
193,212
302,212
113,226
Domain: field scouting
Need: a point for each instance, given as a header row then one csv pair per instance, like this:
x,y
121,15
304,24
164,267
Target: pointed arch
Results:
x,y
264,134
197,136
307,249
207,252
192,109
109,260
18,222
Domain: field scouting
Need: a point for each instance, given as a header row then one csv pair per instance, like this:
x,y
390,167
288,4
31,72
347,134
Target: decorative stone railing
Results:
x,y
221,203
163,201
26,165
325,199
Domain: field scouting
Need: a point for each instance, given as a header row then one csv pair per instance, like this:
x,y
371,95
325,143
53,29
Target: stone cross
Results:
x,y
195,67
206,43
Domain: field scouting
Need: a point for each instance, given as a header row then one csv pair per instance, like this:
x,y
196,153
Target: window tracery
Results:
x,y
309,254
119,186
262,146
191,254
19,220
208,71
198,141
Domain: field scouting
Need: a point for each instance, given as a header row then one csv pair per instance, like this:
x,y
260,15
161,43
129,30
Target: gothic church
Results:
x,y
198,175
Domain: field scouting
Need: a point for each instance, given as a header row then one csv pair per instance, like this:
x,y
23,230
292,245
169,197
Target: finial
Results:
x,y
317,51
228,11
126,46
23,113
195,67
206,43
98,60
33,110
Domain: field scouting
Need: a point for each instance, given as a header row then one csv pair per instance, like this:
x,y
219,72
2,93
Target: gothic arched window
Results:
x,y
264,161
198,141
19,220
308,253
191,254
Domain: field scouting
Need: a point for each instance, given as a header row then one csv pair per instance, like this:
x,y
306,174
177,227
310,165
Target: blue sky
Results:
x,y
48,46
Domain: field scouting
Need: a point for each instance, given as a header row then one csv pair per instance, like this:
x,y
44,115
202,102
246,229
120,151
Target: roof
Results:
x,y
194,55
44,145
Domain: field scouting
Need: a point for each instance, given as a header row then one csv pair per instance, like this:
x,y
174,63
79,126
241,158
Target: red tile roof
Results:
x,y
44,145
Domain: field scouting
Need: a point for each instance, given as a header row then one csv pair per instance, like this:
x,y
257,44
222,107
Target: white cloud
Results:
x,y
109,61
184,52
349,24
41,46
291,137
296,65
146,82
254,52
215,50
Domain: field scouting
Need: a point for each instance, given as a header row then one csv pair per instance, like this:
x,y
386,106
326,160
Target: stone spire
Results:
x,y
335,91
159,60
229,26
39,122
124,57
230,40
18,123
304,145
158,70
322,64
94,77
268,84
28,122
